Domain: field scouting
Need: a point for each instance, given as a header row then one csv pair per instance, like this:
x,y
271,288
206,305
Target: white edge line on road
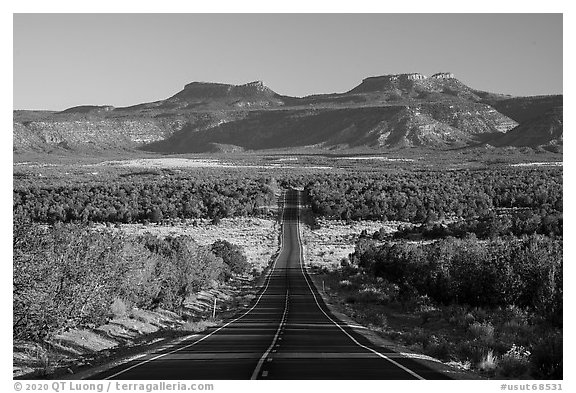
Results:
x,y
263,358
225,325
336,323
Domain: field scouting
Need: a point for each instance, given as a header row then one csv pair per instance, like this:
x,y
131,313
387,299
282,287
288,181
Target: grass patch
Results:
x,y
199,326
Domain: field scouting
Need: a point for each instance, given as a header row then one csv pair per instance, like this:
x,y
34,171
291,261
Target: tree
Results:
x,y
156,215
232,255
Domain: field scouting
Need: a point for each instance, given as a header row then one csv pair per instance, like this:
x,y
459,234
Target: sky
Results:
x,y
65,60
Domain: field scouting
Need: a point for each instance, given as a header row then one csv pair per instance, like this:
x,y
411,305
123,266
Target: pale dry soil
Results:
x,y
171,162
376,158
537,164
257,236
327,246
130,331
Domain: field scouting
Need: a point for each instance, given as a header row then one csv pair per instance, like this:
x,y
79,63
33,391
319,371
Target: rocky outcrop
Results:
x,y
410,77
443,75
413,77
384,82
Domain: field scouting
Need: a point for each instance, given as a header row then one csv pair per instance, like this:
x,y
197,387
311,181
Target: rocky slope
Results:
x,y
540,122
437,125
88,135
523,109
544,130
384,112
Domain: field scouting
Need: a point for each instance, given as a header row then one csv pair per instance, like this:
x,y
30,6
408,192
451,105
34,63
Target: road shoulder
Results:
x,y
379,341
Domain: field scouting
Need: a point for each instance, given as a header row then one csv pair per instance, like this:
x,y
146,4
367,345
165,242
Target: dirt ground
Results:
x,y
327,246
172,162
257,236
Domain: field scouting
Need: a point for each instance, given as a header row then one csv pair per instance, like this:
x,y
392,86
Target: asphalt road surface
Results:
x,y
288,333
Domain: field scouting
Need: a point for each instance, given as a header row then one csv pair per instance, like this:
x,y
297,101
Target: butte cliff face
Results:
x,y
383,112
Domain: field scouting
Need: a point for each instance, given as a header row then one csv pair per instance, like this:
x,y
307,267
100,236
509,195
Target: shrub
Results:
x,y
370,294
184,269
137,199
489,362
428,313
64,277
515,362
458,315
520,272
470,350
469,319
350,299
345,284
423,196
118,308
68,276
547,357
376,319
232,255
483,331
438,348
417,336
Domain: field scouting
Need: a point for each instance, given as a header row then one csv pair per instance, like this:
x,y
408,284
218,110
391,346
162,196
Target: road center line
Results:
x,y
263,358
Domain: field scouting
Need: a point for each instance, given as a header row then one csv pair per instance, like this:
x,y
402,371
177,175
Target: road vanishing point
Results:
x,y
287,333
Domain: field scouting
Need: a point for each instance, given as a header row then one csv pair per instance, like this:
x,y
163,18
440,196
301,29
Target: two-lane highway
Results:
x,y
288,333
